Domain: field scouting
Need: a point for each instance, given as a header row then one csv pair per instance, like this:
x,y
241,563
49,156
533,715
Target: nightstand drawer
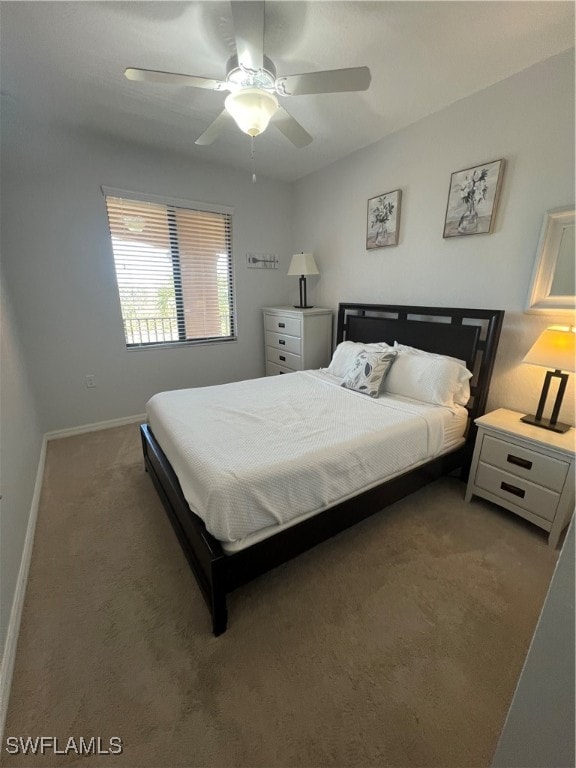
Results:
x,y
274,370
515,490
525,463
285,343
283,358
281,324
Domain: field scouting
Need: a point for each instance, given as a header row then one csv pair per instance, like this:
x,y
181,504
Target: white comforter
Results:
x,y
257,453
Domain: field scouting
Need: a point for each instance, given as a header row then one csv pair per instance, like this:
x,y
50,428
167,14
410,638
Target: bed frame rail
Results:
x,y
203,552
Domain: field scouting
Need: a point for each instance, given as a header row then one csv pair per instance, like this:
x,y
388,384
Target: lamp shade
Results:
x,y
303,264
554,348
252,109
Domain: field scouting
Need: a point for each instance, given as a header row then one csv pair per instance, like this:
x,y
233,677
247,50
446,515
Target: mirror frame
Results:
x,y
540,299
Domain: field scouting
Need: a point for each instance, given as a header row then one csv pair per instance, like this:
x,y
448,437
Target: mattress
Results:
x,y
255,456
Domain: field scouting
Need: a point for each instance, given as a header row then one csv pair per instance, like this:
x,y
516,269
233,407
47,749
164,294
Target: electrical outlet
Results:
x,y
90,380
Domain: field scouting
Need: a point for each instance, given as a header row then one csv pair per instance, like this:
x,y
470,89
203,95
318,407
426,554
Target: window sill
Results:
x,y
180,344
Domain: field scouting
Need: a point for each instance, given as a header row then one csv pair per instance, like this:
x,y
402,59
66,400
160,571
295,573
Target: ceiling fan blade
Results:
x,y
173,78
214,129
291,128
328,81
248,18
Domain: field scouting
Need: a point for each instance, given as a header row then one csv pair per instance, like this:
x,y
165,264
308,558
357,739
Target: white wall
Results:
x,y
58,258
20,447
527,119
539,729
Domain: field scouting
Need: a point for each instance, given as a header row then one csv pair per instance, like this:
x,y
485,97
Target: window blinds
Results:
x,y
174,272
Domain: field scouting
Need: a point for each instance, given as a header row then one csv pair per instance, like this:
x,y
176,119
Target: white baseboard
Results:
x,y
83,428
13,631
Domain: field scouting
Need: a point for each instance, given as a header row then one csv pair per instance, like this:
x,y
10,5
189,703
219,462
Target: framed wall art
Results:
x,y
383,221
472,200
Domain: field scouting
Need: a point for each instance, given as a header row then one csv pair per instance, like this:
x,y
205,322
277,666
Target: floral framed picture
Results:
x,y
472,200
383,221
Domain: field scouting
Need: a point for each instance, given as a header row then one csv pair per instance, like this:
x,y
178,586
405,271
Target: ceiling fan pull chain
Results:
x,y
253,163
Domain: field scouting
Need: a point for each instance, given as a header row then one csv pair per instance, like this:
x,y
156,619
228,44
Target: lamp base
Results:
x,y
558,426
303,306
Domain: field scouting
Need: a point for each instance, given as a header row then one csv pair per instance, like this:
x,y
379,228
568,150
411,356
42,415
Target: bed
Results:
x,y
272,467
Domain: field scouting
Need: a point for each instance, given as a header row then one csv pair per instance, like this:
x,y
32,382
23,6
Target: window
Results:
x,y
174,270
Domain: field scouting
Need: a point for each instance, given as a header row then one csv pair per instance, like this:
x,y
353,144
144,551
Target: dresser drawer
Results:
x,y
533,498
283,358
290,326
282,342
275,370
525,463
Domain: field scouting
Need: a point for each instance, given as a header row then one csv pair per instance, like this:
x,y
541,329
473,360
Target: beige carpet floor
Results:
x,y
397,643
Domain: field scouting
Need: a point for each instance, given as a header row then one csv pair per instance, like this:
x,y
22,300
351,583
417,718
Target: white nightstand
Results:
x,y
297,339
525,469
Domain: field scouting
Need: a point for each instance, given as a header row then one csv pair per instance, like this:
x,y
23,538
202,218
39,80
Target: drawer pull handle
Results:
x,y
513,489
282,358
281,325
281,341
524,463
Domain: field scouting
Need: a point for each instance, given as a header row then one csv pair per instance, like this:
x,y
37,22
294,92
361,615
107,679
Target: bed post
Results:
x,y
218,597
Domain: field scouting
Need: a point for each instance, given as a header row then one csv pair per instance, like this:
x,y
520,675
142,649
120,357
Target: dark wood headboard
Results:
x,y
470,335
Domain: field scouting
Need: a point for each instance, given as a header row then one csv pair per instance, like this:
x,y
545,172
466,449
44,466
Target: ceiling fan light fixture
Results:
x,y
252,109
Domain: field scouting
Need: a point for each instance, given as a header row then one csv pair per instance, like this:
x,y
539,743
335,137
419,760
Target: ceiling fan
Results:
x,y
253,84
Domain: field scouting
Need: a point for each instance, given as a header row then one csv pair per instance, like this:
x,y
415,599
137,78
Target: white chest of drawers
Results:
x,y
525,469
297,339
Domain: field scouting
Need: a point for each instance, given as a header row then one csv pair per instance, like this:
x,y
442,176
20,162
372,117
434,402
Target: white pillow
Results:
x,y
461,392
346,353
369,371
416,351
428,377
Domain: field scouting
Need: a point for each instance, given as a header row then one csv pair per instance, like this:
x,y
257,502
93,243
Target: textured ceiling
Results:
x,y
63,62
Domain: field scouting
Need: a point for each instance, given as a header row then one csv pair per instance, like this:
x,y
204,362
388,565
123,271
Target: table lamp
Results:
x,y
303,264
554,349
